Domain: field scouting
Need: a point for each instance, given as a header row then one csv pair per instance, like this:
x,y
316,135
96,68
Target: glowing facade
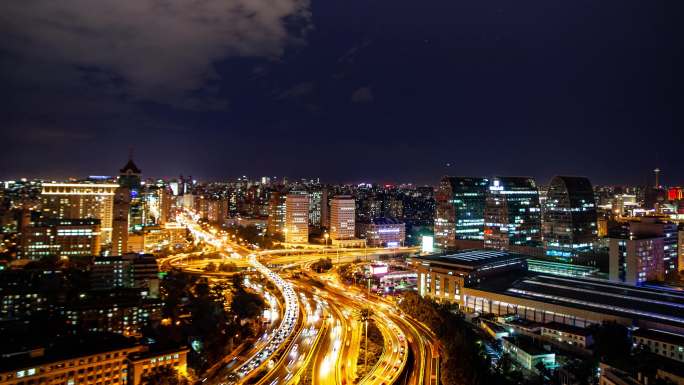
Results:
x,y
342,217
569,223
80,201
512,214
459,211
62,238
297,218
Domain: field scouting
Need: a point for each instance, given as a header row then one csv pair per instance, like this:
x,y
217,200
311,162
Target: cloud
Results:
x,y
153,50
362,95
298,90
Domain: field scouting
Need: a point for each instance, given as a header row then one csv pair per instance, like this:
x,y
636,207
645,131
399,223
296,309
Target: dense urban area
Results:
x,y
473,280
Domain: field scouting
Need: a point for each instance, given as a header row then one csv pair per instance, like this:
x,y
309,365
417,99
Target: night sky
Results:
x,y
345,90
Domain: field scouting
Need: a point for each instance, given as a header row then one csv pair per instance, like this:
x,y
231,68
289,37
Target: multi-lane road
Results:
x,y
319,336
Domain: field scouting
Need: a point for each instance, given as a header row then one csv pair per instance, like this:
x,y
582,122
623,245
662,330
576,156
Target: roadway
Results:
x,y
319,330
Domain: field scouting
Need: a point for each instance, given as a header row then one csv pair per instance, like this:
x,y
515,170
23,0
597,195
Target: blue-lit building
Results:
x,y
130,178
512,214
459,212
569,219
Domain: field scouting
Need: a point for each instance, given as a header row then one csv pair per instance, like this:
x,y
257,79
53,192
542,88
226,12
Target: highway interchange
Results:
x,y
316,333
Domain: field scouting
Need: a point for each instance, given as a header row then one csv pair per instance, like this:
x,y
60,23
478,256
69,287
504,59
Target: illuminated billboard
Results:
x,y
379,269
428,244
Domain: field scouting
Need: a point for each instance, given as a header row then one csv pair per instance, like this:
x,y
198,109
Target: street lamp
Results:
x,y
326,236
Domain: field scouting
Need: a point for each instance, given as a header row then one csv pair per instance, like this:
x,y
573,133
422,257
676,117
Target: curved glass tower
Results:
x,y
569,220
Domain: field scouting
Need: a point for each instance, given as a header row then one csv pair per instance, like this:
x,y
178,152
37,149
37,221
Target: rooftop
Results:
x,y
386,221
66,348
601,296
527,344
659,335
470,258
565,328
130,166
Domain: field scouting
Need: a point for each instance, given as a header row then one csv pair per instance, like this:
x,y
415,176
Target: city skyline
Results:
x,y
649,180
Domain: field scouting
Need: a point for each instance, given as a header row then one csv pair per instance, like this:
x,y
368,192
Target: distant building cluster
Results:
x,y
568,221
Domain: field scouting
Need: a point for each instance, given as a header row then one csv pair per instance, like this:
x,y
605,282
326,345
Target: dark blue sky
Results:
x,y
353,90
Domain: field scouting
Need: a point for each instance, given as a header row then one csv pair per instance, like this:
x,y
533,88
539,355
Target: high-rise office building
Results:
x,y
217,210
342,217
129,177
62,238
276,213
459,211
297,217
127,271
680,248
512,214
569,218
80,201
660,227
325,207
636,259
315,205
121,208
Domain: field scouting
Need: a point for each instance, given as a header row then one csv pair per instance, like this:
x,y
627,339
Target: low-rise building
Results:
x,y
659,342
523,351
383,232
89,364
443,276
568,334
144,363
493,329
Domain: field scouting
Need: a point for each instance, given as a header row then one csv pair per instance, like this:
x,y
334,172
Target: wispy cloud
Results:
x,y
153,50
362,95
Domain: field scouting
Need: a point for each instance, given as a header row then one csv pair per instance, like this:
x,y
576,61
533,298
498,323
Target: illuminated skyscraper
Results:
x,y
459,211
342,217
315,205
129,177
512,214
569,219
297,217
80,201
276,213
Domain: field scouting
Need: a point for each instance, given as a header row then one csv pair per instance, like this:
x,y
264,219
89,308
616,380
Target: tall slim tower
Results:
x,y
657,177
122,203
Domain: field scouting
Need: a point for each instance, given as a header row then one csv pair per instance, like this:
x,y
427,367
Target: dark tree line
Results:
x,y
463,360
195,310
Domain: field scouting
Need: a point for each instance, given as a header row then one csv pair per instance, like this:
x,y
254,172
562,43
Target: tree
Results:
x,y
211,266
228,267
323,264
245,305
611,343
505,365
364,316
163,375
